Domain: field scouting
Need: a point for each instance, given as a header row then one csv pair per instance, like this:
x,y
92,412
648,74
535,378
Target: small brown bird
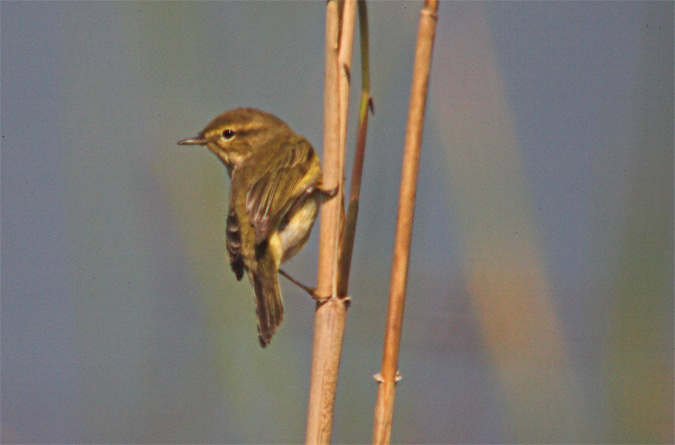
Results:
x,y
274,200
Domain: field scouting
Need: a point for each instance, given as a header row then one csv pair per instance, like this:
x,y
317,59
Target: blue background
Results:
x,y
540,294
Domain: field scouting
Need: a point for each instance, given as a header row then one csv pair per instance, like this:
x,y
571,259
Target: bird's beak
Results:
x,y
199,140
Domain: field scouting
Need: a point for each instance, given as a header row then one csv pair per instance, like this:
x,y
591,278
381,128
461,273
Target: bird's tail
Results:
x,y
270,308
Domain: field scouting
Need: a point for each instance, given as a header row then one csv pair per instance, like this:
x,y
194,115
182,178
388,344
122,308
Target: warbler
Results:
x,y
275,194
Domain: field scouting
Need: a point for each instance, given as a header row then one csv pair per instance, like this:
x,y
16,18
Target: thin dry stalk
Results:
x,y
330,316
347,246
331,153
345,49
345,67
388,375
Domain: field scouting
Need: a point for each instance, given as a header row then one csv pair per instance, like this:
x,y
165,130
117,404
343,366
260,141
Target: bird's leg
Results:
x,y
310,290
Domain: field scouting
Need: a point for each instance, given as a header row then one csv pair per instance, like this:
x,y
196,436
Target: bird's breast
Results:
x,y
295,230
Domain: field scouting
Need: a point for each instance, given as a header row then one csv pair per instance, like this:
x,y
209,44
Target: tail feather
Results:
x,y
270,309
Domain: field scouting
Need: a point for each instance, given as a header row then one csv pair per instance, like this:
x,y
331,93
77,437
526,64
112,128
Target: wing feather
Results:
x,y
271,196
233,243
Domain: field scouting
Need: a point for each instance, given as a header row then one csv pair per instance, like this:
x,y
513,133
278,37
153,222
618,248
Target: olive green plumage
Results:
x,y
274,200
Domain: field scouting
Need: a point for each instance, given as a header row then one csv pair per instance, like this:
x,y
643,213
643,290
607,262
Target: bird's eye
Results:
x,y
228,134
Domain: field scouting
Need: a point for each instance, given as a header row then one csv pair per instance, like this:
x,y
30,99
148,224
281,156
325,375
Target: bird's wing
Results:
x,y
270,197
233,242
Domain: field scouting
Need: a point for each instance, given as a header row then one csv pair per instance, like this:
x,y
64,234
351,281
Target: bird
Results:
x,y
275,194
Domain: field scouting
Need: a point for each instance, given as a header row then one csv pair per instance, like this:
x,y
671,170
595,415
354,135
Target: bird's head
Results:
x,y
236,134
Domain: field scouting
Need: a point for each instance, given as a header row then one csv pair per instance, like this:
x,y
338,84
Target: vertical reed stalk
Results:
x,y
388,375
331,314
347,246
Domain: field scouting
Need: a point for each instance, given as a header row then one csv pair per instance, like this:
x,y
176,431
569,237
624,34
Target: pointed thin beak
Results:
x,y
199,140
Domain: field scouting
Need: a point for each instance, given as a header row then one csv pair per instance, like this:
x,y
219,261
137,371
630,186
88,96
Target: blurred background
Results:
x,y
540,295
